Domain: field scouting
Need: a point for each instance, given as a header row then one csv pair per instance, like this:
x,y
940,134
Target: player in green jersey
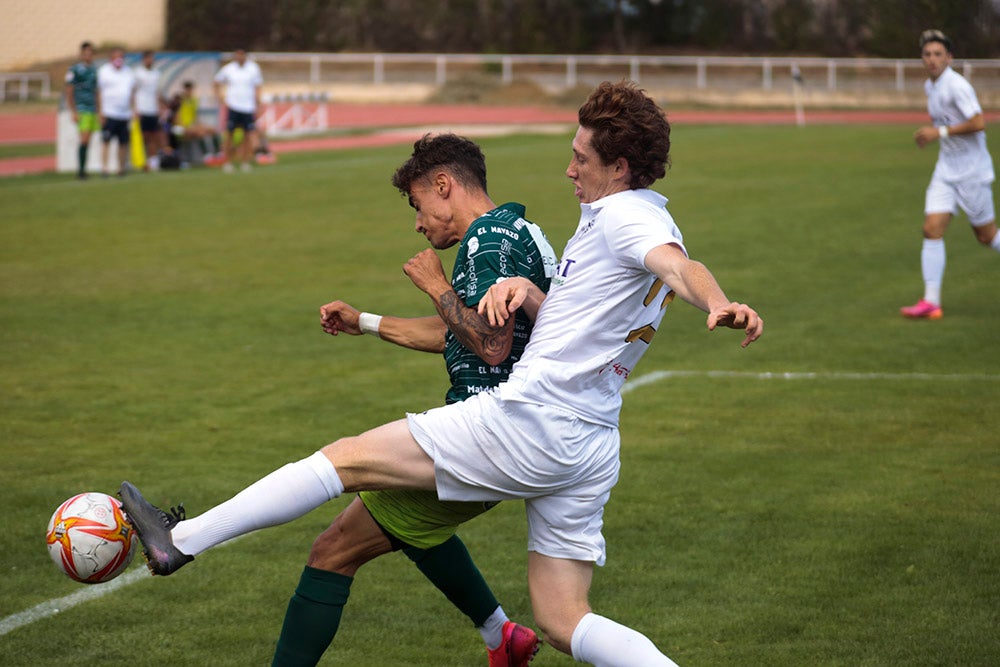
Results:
x,y
445,182
81,100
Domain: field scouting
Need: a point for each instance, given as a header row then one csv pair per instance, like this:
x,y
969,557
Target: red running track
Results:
x,y
415,119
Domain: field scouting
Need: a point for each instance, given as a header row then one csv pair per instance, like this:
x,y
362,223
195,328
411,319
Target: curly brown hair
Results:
x,y
627,123
459,156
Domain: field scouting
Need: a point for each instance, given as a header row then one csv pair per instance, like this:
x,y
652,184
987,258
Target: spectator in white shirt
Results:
x,y
242,80
116,102
149,105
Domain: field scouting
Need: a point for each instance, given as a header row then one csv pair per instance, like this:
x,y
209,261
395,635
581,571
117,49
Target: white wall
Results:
x,y
34,31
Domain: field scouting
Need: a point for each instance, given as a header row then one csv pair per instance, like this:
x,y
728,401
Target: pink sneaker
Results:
x,y
922,309
519,646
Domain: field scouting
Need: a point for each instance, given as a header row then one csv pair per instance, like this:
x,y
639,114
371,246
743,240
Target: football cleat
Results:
x,y
922,309
153,527
519,646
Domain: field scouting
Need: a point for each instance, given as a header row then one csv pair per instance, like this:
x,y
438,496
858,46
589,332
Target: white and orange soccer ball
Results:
x,y
89,538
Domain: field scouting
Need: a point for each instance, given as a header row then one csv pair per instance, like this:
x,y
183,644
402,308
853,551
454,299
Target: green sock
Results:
x,y
81,157
312,618
449,567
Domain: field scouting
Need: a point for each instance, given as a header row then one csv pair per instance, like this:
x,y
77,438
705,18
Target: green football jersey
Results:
x,y
499,244
83,78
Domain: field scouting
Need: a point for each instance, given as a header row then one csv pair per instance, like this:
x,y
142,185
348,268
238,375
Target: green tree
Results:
x,y
824,27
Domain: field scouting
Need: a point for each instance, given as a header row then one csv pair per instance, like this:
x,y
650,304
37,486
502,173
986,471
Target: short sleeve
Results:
x,y
637,228
494,253
966,100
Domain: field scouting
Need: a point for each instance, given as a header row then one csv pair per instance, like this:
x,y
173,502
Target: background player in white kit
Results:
x,y
149,104
549,435
115,106
242,79
963,175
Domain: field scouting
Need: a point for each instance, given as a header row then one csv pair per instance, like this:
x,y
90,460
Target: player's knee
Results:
x,y
328,552
557,623
933,231
986,233
556,635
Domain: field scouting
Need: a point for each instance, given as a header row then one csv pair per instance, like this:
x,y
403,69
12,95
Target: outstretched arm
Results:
x,y
694,283
416,333
491,343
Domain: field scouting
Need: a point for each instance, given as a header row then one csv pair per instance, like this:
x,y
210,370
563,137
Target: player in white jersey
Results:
x,y
116,105
549,436
242,80
148,105
963,176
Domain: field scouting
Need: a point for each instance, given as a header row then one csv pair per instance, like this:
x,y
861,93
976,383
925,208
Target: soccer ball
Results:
x,y
89,539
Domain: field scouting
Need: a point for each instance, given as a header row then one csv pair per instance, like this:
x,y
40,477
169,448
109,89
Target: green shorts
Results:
x,y
418,518
87,122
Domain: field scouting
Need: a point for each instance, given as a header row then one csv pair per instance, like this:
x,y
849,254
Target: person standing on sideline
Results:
x,y
242,80
549,435
963,175
81,100
116,106
149,105
445,182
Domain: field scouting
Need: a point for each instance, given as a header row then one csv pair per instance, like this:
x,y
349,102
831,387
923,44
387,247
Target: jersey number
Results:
x,y
646,333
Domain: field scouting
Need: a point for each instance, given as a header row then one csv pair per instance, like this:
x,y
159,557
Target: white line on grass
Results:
x,y
656,376
53,607
91,592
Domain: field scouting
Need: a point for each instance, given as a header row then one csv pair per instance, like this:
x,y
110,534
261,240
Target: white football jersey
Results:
x,y
601,311
115,86
952,100
241,85
147,91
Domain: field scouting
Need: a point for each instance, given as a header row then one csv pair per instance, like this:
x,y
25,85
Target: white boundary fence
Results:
x,y
567,71
555,72
24,85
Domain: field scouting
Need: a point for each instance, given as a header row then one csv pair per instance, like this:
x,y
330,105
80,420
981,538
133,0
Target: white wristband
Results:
x,y
942,131
368,323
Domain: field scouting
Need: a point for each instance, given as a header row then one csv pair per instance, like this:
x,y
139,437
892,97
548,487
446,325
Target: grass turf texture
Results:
x,y
26,150
164,328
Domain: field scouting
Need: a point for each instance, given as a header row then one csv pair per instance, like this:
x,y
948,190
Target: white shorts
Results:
x,y
561,466
976,199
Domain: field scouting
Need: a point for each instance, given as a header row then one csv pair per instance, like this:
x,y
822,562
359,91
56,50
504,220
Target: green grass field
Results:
x,y
164,329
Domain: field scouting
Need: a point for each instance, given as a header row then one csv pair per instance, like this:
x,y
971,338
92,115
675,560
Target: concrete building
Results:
x,y
36,31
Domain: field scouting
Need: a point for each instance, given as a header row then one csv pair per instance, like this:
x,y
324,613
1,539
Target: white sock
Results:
x,y
932,260
995,243
284,495
604,643
492,628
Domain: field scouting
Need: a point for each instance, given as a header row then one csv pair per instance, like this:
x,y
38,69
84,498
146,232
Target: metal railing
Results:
x,y
25,85
567,71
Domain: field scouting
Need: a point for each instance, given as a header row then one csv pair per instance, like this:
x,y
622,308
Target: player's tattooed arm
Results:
x,y
491,343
